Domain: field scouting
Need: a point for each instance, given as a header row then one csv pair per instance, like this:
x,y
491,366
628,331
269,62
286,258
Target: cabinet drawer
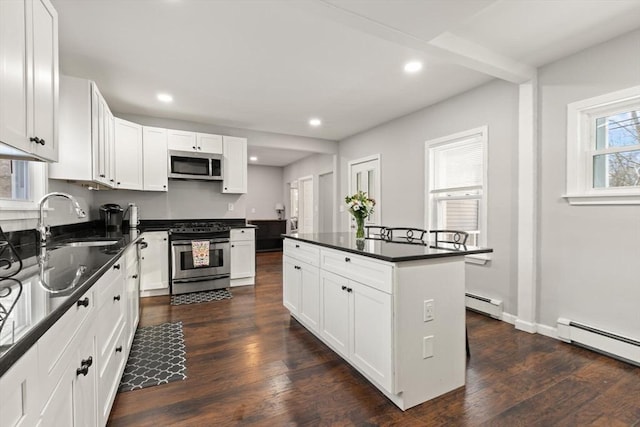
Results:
x,y
53,346
376,274
238,234
302,251
104,286
111,317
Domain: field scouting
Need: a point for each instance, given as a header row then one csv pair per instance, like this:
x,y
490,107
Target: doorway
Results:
x,y
305,205
325,202
364,175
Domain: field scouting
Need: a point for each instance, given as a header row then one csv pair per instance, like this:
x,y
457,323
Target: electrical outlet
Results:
x,y
429,310
427,347
253,210
230,207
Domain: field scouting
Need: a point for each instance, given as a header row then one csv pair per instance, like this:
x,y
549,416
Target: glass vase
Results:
x,y
359,228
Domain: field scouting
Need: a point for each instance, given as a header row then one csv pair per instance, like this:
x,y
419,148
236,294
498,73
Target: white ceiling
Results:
x,y
270,65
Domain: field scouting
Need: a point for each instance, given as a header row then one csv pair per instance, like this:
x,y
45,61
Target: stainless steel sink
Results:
x,y
84,243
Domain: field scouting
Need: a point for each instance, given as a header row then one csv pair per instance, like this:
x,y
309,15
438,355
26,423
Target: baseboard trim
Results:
x,y
509,318
521,325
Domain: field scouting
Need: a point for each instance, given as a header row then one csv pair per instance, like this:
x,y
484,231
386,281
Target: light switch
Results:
x,y
427,347
429,310
230,207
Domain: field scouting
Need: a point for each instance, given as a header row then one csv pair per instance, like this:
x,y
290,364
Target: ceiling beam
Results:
x,y
447,47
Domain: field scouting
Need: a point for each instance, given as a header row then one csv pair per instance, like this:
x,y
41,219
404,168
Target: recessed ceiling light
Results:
x,y
413,67
253,158
315,122
165,97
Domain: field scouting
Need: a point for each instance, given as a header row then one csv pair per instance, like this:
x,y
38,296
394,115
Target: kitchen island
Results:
x,y
394,310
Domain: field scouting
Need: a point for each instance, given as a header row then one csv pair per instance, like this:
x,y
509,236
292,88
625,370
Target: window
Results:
x,y
22,184
456,184
14,179
603,149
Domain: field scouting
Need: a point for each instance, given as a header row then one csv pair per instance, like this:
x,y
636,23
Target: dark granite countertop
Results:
x,y
52,279
392,251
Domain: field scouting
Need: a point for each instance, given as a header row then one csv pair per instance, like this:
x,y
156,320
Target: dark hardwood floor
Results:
x,y
250,363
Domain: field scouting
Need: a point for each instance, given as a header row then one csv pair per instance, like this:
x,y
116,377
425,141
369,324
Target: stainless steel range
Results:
x,y
186,275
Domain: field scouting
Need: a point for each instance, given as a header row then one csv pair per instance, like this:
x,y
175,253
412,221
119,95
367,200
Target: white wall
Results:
x,y
184,200
264,191
400,144
588,255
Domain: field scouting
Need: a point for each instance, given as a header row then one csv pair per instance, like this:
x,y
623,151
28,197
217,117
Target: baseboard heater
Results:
x,y
491,307
614,345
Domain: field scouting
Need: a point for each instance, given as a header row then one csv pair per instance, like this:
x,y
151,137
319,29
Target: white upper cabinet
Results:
x,y
128,148
234,168
183,140
154,150
86,152
208,143
29,78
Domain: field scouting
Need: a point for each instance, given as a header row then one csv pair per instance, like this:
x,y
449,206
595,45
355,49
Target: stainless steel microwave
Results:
x,y
191,165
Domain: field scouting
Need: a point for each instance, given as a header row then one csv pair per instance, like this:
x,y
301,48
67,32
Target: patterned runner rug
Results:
x,y
157,357
203,296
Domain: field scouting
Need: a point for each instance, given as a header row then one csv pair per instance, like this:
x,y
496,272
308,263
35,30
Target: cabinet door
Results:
x,y
334,327
111,146
154,262
155,162
243,256
128,146
234,168
371,317
14,128
84,385
208,143
45,79
290,284
19,397
99,136
181,140
310,296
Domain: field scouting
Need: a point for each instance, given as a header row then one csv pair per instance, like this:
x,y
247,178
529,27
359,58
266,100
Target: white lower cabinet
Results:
x,y
70,376
154,265
335,312
357,324
371,312
242,256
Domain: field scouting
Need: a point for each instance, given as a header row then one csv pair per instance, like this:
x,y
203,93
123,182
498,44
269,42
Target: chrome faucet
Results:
x,y
43,230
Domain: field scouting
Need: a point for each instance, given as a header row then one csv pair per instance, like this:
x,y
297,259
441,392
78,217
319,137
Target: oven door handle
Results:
x,y
201,279
188,242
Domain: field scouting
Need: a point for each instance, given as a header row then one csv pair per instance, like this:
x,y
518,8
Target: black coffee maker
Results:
x,y
111,216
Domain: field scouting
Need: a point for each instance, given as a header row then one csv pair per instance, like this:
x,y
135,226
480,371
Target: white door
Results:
x,y
371,340
305,205
13,76
325,202
154,150
291,278
208,143
310,296
335,311
365,176
45,78
128,147
181,140
234,167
